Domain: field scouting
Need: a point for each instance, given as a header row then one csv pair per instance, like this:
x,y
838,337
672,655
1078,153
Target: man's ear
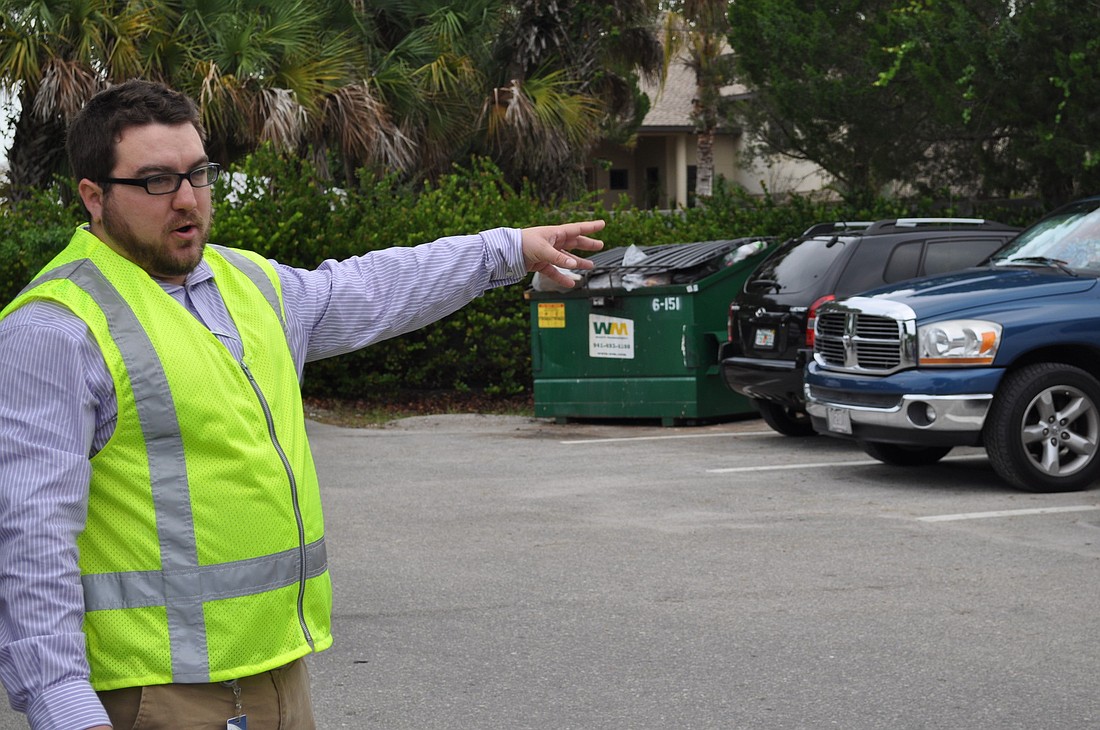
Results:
x,y
92,195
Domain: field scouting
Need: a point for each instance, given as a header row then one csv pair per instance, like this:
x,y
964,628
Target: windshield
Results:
x,y
796,265
1069,236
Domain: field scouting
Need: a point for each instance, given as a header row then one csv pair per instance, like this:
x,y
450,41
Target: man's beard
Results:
x,y
152,255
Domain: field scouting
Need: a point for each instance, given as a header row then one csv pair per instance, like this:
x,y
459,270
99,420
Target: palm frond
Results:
x,y
364,130
65,86
541,122
448,74
222,101
20,61
278,118
126,36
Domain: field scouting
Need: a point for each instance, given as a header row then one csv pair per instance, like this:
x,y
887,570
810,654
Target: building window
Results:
x,y
619,179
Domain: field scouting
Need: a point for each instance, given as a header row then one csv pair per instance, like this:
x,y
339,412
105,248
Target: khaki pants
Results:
x,y
275,700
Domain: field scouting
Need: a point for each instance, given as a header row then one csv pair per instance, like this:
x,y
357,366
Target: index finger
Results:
x,y
583,228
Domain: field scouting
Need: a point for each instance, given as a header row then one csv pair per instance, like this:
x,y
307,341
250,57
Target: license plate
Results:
x,y
840,420
765,337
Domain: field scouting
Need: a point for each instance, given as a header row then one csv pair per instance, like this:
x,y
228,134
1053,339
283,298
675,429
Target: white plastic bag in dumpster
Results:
x,y
634,256
545,283
743,252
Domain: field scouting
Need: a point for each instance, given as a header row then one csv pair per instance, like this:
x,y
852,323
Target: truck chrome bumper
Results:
x,y
929,413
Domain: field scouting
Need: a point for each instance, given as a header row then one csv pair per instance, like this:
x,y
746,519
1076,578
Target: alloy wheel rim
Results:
x,y
1061,428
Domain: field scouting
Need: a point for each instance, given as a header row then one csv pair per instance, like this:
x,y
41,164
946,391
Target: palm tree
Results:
x,y
55,55
696,31
456,89
567,77
282,73
427,61
288,72
393,85
540,128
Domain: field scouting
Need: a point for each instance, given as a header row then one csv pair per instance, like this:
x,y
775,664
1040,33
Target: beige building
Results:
x,y
658,169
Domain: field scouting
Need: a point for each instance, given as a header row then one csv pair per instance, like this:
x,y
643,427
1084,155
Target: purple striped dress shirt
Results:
x,y
58,408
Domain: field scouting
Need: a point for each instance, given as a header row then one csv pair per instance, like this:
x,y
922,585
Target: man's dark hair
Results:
x,y
97,128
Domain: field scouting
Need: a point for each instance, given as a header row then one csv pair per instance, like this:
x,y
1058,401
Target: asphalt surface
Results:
x,y
505,572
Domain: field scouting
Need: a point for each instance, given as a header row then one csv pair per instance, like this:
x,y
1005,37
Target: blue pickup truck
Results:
x,y
1005,356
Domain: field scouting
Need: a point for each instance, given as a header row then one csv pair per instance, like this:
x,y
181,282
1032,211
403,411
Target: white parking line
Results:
x,y
667,438
818,465
785,467
1007,513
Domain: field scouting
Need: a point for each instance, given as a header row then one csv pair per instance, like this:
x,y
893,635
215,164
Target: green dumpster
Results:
x,y
638,337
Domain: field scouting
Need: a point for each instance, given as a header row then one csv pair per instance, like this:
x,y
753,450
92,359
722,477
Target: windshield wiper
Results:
x,y
1043,261
764,284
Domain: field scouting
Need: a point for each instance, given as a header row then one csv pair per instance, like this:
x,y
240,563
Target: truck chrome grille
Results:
x,y
851,339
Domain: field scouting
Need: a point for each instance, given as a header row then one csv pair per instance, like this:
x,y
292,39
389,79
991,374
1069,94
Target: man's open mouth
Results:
x,y
185,229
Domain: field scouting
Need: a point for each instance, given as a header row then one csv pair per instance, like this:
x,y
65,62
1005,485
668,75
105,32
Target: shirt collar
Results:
x,y
200,274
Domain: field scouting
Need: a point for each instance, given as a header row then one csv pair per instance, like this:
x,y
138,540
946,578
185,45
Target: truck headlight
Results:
x,y
958,342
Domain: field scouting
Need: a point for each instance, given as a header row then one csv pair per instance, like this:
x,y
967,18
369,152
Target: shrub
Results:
x,y
32,232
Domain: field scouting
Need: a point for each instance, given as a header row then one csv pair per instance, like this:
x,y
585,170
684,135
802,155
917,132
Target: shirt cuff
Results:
x,y
504,256
72,705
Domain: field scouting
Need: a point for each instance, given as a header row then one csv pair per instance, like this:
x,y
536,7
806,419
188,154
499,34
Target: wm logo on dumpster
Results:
x,y
610,337
616,329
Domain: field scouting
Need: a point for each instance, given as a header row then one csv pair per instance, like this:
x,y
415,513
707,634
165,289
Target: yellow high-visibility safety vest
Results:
x,y
203,557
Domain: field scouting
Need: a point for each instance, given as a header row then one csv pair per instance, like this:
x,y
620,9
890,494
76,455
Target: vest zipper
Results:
x,y
294,499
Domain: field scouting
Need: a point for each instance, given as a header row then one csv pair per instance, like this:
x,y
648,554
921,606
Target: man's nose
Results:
x,y
184,198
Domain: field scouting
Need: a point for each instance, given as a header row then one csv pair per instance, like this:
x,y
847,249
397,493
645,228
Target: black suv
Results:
x,y
771,322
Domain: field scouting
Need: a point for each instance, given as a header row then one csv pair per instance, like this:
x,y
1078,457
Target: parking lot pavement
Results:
x,y
505,572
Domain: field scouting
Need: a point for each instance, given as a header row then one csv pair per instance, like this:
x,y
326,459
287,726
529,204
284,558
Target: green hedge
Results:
x,y
32,232
282,209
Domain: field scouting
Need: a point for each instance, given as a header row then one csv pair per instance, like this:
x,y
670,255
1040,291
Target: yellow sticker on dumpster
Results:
x,y
552,315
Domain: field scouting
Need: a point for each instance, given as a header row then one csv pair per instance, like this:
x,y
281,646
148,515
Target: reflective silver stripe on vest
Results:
x,y
256,275
107,591
182,585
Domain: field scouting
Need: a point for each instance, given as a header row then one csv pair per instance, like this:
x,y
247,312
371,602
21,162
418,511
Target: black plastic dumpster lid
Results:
x,y
670,256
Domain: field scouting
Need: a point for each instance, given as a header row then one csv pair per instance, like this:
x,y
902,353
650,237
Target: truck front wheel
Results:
x,y
1043,429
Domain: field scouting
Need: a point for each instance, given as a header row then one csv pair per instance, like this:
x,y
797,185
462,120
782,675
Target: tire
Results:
x,y
1020,439
787,420
903,454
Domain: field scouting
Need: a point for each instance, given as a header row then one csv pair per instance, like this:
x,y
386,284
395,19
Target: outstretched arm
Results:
x,y
544,248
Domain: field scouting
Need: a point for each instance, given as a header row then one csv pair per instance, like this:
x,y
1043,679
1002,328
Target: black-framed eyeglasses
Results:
x,y
166,183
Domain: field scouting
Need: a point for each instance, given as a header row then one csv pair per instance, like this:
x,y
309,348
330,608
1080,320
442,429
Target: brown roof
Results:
x,y
670,105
